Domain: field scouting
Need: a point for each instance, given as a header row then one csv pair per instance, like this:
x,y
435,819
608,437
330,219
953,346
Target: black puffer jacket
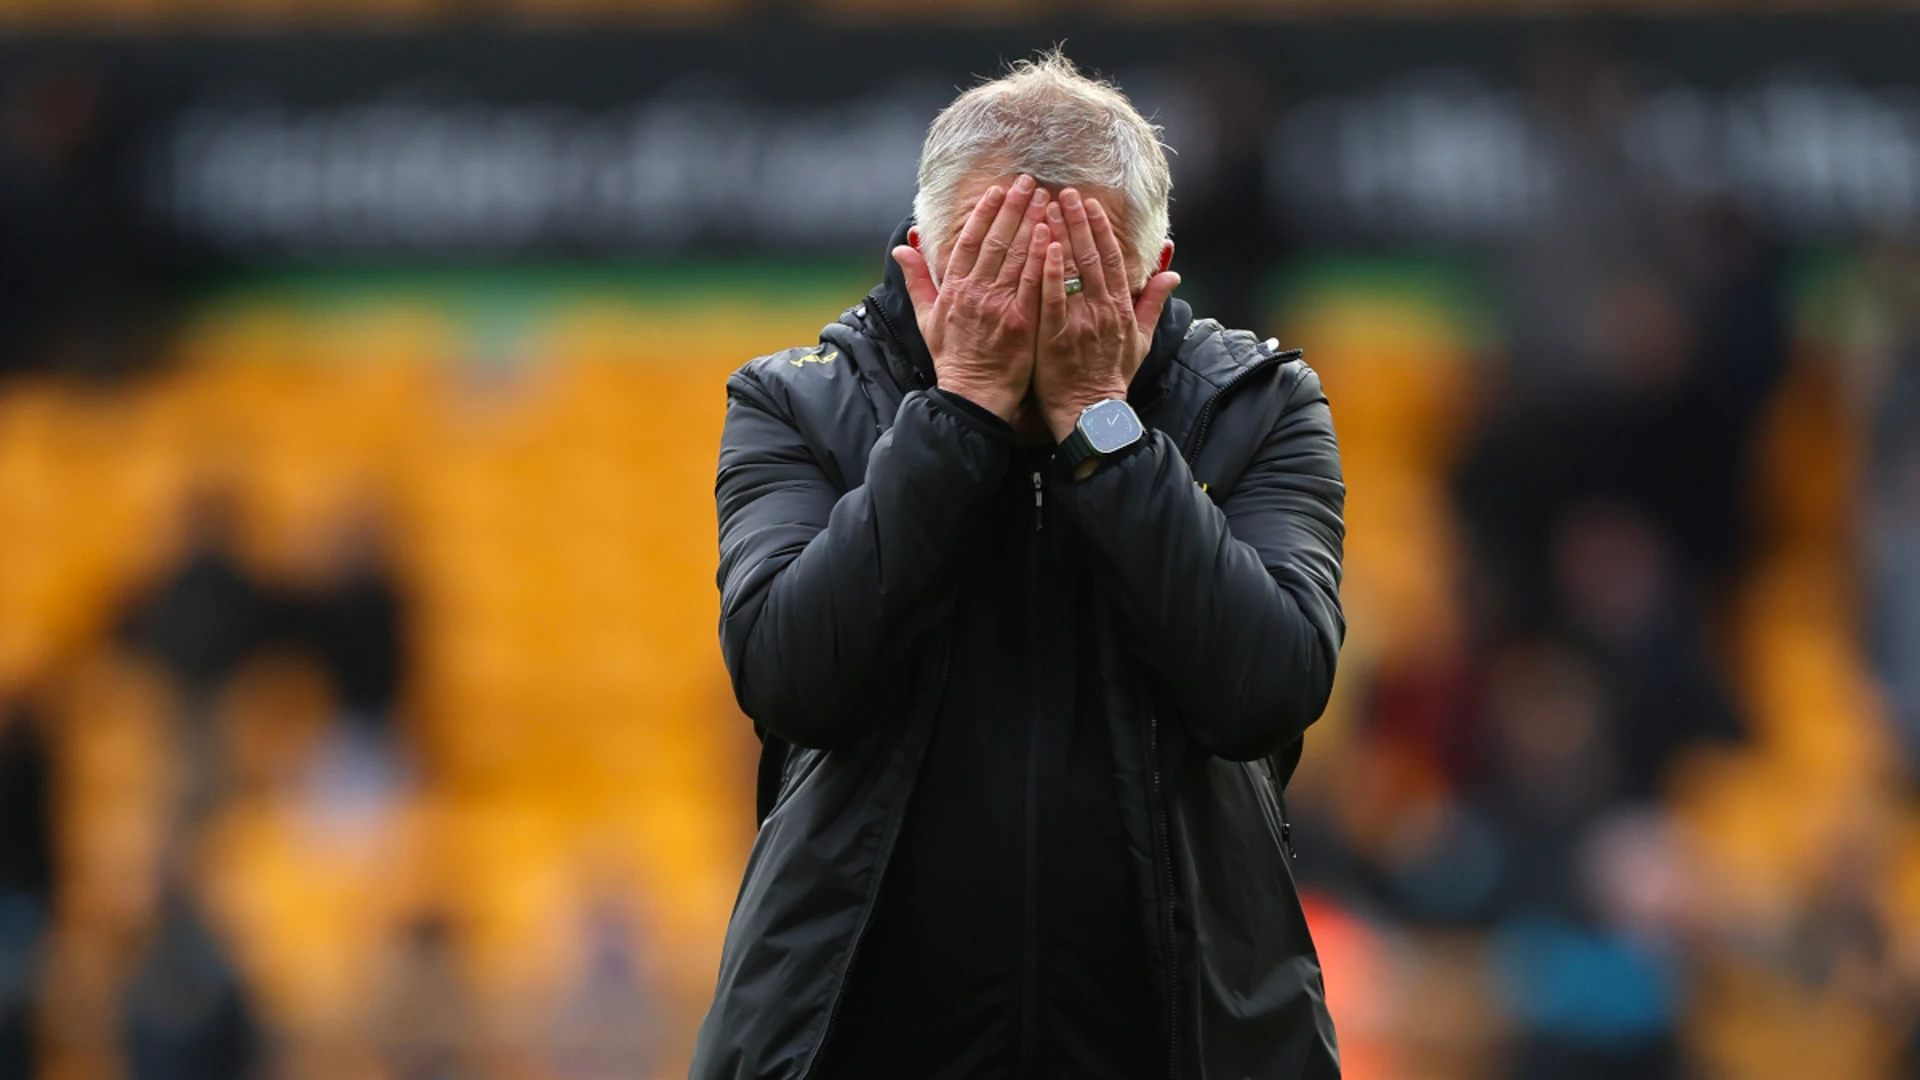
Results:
x,y
845,486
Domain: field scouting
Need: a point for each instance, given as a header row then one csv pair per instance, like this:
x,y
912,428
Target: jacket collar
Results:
x,y
900,325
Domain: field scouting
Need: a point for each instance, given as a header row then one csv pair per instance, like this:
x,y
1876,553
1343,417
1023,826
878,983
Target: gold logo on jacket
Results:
x,y
821,355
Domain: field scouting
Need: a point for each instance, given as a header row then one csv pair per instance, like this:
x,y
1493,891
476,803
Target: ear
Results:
x,y
913,237
1166,257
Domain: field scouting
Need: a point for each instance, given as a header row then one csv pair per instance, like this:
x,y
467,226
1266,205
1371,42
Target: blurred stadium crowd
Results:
x,y
361,715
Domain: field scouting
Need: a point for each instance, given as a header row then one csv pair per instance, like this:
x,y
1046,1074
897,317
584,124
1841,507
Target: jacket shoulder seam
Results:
x,y
1296,377
1300,372
1242,353
752,374
781,367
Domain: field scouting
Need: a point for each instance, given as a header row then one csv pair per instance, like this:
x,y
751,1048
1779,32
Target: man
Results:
x,y
1030,583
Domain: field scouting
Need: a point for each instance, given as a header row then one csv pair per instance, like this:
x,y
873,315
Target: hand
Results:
x,y
1092,342
980,322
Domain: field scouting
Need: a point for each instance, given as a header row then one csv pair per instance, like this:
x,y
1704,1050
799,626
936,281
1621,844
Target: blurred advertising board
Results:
x,y
798,138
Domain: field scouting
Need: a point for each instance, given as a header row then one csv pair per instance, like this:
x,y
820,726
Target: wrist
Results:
x,y
1001,401
1060,424
1062,418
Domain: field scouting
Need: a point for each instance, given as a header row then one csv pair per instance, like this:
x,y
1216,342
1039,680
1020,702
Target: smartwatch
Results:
x,y
1105,428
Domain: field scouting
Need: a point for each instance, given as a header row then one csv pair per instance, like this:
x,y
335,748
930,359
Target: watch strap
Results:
x,y
1074,449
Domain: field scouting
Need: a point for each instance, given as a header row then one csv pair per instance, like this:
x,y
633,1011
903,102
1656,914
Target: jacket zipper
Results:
x,y
866,917
1156,788
873,304
1205,420
1280,804
1030,926
1158,805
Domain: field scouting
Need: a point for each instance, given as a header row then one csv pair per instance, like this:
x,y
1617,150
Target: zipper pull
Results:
x,y
1038,519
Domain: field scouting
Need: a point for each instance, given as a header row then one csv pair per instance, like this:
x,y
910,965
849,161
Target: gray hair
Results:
x,y
1064,129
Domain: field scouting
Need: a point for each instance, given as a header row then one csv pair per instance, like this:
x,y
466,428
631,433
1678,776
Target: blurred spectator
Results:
x,y
1644,336
1600,227
1552,768
1221,218
1841,939
26,811
186,1015
351,616
205,615
1893,510
1895,554
26,880
1619,595
1590,1005
427,1025
1592,998
1660,433
355,619
200,621
607,1024
273,717
1733,277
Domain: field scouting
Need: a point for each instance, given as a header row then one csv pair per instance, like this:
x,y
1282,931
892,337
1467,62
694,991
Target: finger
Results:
x,y
1113,261
966,247
1146,312
1033,267
1058,224
1014,269
920,287
1086,255
1053,291
999,239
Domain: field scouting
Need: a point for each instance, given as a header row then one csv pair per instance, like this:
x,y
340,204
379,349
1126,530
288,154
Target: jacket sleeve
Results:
x,y
819,589
1236,607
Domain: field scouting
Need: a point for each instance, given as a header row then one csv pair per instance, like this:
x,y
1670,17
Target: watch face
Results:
x,y
1110,426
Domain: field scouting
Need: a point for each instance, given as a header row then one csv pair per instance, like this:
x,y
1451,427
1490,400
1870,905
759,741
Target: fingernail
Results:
x,y
1093,208
1070,197
1024,184
1040,197
996,193
1053,212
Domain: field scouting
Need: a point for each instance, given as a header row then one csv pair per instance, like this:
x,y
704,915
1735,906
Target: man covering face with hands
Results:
x,y
1030,586
1018,332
